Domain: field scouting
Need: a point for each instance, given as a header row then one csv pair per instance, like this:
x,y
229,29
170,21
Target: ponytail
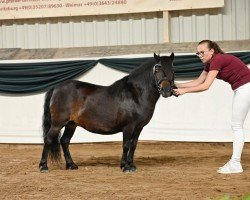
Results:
x,y
212,45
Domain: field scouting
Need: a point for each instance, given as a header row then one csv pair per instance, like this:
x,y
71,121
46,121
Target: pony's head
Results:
x,y
164,74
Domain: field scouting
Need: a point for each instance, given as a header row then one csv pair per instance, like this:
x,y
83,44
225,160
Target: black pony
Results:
x,y
125,106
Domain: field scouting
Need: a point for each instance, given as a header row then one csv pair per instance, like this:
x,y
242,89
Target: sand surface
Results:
x,y
165,170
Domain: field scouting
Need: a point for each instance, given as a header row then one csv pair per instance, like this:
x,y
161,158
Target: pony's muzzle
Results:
x,y
165,89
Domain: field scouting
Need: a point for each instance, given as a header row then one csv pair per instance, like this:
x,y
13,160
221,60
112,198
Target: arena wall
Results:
x,y
193,117
230,22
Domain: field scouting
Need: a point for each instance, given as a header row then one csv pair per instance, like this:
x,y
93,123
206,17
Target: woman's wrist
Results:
x,y
178,85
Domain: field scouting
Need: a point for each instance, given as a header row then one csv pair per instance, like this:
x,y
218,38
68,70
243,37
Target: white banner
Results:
x,y
16,9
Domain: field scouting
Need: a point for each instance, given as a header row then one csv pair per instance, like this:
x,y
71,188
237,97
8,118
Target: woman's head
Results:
x,y
206,49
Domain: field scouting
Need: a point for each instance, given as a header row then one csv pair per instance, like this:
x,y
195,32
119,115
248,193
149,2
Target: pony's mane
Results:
x,y
143,69
142,73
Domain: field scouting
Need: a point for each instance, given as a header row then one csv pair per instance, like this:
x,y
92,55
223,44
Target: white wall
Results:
x,y
191,117
142,28
232,22
229,23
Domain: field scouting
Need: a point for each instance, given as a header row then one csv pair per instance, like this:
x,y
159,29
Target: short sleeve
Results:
x,y
216,63
206,67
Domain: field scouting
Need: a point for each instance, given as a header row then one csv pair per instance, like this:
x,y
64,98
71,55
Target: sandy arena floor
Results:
x,y
165,170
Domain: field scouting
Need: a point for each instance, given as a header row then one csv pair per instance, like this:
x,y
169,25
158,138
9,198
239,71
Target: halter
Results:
x,y
158,82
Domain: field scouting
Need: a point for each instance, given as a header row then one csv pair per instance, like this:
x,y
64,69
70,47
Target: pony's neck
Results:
x,y
143,79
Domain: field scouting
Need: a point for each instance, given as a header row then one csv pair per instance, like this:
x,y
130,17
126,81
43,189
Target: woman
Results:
x,y
232,70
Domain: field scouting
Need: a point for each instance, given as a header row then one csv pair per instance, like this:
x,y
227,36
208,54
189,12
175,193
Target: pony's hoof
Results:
x,y
122,165
71,166
44,169
133,168
129,169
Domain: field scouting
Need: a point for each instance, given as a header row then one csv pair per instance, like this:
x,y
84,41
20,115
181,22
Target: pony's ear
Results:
x,y
172,56
157,57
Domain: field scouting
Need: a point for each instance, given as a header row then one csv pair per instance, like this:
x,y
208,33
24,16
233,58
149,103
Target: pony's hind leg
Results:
x,y
65,140
51,147
43,163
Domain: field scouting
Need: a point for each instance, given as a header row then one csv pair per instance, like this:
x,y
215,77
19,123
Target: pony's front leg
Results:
x,y
125,147
129,146
130,159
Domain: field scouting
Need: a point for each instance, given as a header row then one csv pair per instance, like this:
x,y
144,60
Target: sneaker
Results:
x,y
230,168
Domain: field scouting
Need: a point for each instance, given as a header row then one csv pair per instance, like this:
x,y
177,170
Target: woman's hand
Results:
x,y
179,91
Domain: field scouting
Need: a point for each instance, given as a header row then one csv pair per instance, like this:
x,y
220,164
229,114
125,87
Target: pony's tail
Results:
x,y
54,146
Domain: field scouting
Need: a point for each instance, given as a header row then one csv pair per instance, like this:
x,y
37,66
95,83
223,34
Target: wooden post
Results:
x,y
166,26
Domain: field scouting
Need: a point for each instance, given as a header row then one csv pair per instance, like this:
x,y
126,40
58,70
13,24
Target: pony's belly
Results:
x,y
101,123
102,131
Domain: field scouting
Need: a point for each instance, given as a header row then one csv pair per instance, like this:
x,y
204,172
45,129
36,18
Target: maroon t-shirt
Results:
x,y
231,69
